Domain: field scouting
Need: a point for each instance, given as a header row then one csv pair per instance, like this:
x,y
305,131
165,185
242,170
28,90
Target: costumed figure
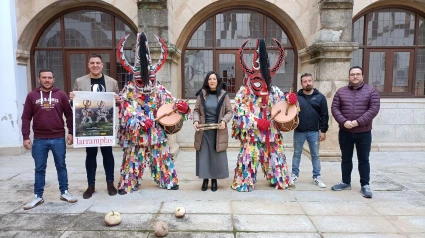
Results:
x,y
86,112
143,139
101,112
261,141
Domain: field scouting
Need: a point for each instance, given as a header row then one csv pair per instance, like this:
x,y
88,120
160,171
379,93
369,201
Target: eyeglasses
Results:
x,y
358,75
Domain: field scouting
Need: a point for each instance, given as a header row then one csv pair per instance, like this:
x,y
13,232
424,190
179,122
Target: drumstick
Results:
x,y
209,125
169,113
208,128
271,119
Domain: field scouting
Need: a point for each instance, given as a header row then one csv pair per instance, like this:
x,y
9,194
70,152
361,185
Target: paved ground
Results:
x,y
396,210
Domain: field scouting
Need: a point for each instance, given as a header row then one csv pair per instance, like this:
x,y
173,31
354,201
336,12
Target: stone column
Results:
x,y
153,20
328,59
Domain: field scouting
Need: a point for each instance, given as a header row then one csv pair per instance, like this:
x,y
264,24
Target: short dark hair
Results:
x,y
95,55
305,75
207,87
355,67
45,70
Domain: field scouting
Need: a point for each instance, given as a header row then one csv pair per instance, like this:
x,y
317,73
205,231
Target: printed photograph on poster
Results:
x,y
94,119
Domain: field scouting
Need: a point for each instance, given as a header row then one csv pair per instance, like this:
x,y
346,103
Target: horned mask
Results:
x,y
144,73
258,78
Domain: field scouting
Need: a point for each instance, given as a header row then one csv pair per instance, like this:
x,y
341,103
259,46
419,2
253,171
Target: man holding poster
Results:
x,y
96,81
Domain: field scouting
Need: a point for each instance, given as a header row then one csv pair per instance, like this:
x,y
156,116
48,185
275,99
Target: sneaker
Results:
x,y
317,181
366,191
341,186
67,196
34,202
294,179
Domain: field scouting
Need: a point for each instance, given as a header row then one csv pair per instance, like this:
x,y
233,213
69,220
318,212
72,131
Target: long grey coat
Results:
x,y
226,114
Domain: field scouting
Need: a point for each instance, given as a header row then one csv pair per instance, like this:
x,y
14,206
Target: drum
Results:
x,y
285,116
169,119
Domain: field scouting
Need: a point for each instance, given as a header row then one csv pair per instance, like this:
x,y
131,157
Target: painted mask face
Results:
x,y
254,79
139,82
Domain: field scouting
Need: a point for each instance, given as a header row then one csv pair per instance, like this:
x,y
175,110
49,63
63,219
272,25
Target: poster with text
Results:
x,y
94,119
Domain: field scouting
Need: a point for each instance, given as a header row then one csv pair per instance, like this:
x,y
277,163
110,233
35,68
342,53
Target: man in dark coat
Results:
x,y
354,107
312,127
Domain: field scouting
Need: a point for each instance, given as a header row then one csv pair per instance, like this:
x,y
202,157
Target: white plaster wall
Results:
x,y
13,91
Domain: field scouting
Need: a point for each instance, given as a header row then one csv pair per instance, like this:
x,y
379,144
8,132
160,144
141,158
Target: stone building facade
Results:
x,y
323,37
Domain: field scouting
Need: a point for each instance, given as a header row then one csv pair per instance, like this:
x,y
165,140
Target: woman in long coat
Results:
x,y
212,106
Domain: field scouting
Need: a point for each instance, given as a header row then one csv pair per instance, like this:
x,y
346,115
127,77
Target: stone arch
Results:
x,y
420,6
275,12
52,11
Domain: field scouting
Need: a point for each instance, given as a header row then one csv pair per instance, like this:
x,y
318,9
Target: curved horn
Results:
x,y
164,53
121,55
280,58
242,61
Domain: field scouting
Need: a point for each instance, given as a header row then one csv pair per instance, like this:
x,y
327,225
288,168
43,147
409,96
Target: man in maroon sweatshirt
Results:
x,y
354,107
45,106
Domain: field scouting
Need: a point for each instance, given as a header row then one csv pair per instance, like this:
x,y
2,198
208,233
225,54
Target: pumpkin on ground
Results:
x,y
161,229
112,218
180,212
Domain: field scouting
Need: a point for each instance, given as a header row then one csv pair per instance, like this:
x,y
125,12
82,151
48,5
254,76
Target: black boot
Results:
x,y
213,185
205,185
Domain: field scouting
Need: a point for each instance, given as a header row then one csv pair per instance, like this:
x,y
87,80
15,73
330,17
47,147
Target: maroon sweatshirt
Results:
x,y
46,109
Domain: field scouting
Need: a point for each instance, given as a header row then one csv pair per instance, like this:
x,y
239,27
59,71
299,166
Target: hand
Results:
x,y
262,124
348,124
69,139
27,144
222,125
182,106
148,123
355,123
195,125
118,99
291,98
322,136
71,96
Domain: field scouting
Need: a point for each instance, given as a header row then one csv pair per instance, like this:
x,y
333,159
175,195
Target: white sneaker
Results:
x,y
317,181
34,202
293,180
67,196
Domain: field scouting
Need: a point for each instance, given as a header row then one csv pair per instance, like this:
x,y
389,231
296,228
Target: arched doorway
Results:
x,y
66,41
214,44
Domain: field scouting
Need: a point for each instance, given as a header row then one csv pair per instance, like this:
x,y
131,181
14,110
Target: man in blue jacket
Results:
x,y
313,124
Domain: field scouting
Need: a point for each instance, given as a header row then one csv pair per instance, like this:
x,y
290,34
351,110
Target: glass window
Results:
x,y
388,59
391,27
217,50
86,32
88,29
358,27
51,36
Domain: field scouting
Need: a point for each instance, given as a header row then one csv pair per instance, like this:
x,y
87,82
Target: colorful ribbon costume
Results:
x,y
261,142
143,140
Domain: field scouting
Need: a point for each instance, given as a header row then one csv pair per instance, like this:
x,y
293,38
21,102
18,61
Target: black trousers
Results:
x,y
91,163
363,142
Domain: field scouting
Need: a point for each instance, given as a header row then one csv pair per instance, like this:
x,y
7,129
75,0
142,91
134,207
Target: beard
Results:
x,y
308,88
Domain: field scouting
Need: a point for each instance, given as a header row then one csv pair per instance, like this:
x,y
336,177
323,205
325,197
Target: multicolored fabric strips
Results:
x,y
144,147
253,149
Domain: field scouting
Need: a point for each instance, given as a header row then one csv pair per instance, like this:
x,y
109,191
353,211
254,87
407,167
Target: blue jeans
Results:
x,y
91,163
313,141
363,142
40,150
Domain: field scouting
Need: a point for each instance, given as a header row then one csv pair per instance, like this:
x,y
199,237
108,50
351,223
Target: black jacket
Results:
x,y
313,113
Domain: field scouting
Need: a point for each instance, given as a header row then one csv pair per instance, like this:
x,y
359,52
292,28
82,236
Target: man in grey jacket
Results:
x,y
96,81
354,107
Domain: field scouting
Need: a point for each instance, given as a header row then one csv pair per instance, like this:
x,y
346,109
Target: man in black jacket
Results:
x,y
312,127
